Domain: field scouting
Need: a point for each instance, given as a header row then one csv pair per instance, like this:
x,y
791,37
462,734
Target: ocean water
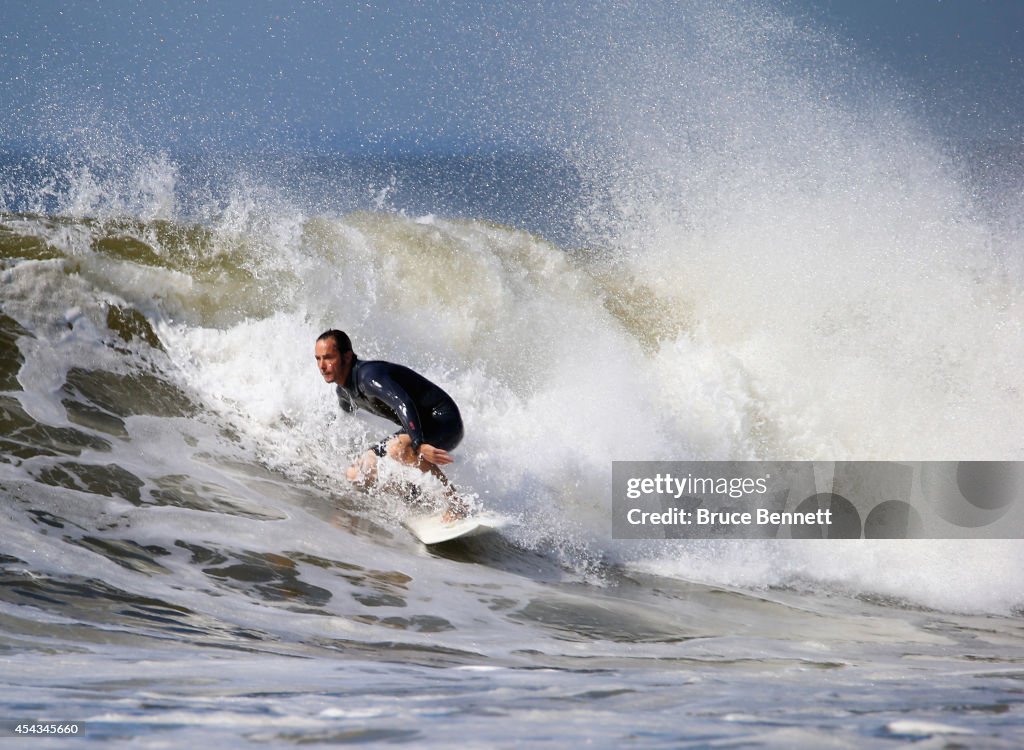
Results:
x,y
742,258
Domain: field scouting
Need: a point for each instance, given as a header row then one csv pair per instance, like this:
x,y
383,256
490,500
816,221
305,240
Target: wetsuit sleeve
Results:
x,y
345,400
384,388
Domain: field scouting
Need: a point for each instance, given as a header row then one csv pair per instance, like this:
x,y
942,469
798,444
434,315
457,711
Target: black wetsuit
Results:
x,y
425,412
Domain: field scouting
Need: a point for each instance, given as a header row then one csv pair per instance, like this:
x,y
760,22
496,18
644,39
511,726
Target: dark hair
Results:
x,y
341,339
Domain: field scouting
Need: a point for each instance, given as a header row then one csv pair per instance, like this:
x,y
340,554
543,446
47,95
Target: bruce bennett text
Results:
x,y
705,517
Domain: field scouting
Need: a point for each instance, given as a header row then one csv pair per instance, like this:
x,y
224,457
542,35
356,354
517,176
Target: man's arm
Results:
x,y
344,400
434,455
379,384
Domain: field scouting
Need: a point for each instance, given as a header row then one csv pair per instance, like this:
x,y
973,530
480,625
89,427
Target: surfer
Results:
x,y
430,422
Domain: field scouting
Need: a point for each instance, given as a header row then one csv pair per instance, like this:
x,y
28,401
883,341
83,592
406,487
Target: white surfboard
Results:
x,y
432,530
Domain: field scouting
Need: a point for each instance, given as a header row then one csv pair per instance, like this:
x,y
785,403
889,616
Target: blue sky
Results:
x,y
370,75
965,56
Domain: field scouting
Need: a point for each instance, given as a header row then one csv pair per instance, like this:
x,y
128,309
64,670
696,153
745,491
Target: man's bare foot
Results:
x,y
456,509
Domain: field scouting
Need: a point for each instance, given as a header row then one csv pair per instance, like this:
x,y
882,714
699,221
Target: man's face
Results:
x,y
330,361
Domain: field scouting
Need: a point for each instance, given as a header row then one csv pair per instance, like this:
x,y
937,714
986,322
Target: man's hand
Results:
x,y
436,456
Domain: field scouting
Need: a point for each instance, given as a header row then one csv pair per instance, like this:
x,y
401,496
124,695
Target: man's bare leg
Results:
x,y
363,472
400,449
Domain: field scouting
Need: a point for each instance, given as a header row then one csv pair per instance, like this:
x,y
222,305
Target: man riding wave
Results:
x,y
429,419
